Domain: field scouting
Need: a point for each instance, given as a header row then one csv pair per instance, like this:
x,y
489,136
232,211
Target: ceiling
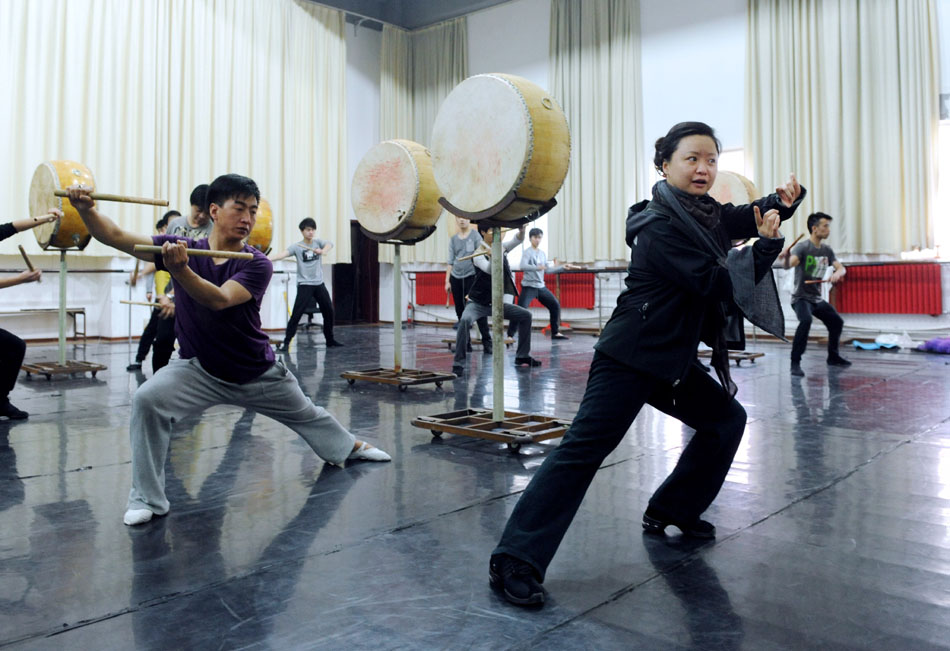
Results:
x,y
408,14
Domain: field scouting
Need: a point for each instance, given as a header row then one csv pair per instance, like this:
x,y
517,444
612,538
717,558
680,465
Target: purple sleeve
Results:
x,y
255,276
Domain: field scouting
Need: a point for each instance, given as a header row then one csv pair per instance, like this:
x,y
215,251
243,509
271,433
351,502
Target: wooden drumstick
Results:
x,y
99,196
482,250
237,255
26,259
814,282
789,247
141,303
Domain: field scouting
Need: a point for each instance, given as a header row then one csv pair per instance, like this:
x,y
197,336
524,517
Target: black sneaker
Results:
x,y
134,366
516,580
838,360
559,336
280,348
487,349
527,361
696,529
11,412
797,370
333,343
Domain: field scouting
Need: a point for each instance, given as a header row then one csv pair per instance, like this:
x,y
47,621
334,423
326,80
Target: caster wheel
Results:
x,y
403,387
94,374
350,381
436,434
438,385
48,377
514,447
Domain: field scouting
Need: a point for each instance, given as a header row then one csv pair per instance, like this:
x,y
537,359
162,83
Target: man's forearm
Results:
x,y
204,292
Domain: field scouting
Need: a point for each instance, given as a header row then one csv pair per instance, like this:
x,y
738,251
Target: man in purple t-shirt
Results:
x,y
225,355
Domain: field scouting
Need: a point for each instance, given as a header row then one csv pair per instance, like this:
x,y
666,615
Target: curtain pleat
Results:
x,y
595,68
845,93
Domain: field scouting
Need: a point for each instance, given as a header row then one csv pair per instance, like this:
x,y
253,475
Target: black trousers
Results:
x,y
614,396
823,311
547,299
460,289
12,352
304,294
161,333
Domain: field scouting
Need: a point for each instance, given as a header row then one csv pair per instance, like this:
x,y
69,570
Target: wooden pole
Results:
x,y
497,325
397,310
237,255
100,196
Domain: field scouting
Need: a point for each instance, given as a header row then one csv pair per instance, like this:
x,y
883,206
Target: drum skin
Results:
x,y
498,133
733,188
394,193
69,232
263,231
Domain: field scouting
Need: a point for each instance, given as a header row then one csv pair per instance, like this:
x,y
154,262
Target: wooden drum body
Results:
x,y
263,232
733,188
495,135
394,193
70,231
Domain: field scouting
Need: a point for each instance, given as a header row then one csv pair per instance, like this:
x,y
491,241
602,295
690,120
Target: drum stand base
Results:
x,y
509,341
49,369
737,355
515,430
403,378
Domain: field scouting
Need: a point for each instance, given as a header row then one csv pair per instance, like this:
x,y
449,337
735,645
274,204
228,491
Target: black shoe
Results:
x,y
559,336
516,580
838,360
134,366
280,348
11,412
333,343
486,349
697,529
797,370
458,369
527,361
468,347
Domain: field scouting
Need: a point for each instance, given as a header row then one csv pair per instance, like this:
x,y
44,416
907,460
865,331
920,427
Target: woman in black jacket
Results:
x,y
679,292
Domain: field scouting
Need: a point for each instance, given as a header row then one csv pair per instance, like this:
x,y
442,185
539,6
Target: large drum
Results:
x,y
496,134
263,231
733,188
394,192
70,231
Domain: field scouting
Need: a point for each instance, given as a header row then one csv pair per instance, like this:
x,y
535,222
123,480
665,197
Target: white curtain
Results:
x,y
156,97
418,70
595,59
845,93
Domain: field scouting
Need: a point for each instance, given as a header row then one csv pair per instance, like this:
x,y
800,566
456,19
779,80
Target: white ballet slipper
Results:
x,y
137,516
367,452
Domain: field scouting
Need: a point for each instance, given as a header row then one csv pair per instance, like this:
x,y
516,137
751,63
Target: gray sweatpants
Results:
x,y
519,318
184,387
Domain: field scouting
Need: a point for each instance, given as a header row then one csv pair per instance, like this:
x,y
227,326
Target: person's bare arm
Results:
x,y
274,257
104,229
20,278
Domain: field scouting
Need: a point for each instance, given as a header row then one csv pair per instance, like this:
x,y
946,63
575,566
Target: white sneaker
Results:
x,y
137,516
367,452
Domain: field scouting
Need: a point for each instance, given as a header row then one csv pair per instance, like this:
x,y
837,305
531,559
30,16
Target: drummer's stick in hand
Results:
x,y
815,282
789,247
100,196
237,255
26,259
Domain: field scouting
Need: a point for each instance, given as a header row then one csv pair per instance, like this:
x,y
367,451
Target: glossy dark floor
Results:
x,y
834,523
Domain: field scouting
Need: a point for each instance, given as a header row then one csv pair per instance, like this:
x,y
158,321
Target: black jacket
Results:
x,y
673,282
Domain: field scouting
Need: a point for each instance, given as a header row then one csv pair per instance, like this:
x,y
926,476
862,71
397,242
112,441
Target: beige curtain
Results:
x,y
418,70
595,64
157,97
845,93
